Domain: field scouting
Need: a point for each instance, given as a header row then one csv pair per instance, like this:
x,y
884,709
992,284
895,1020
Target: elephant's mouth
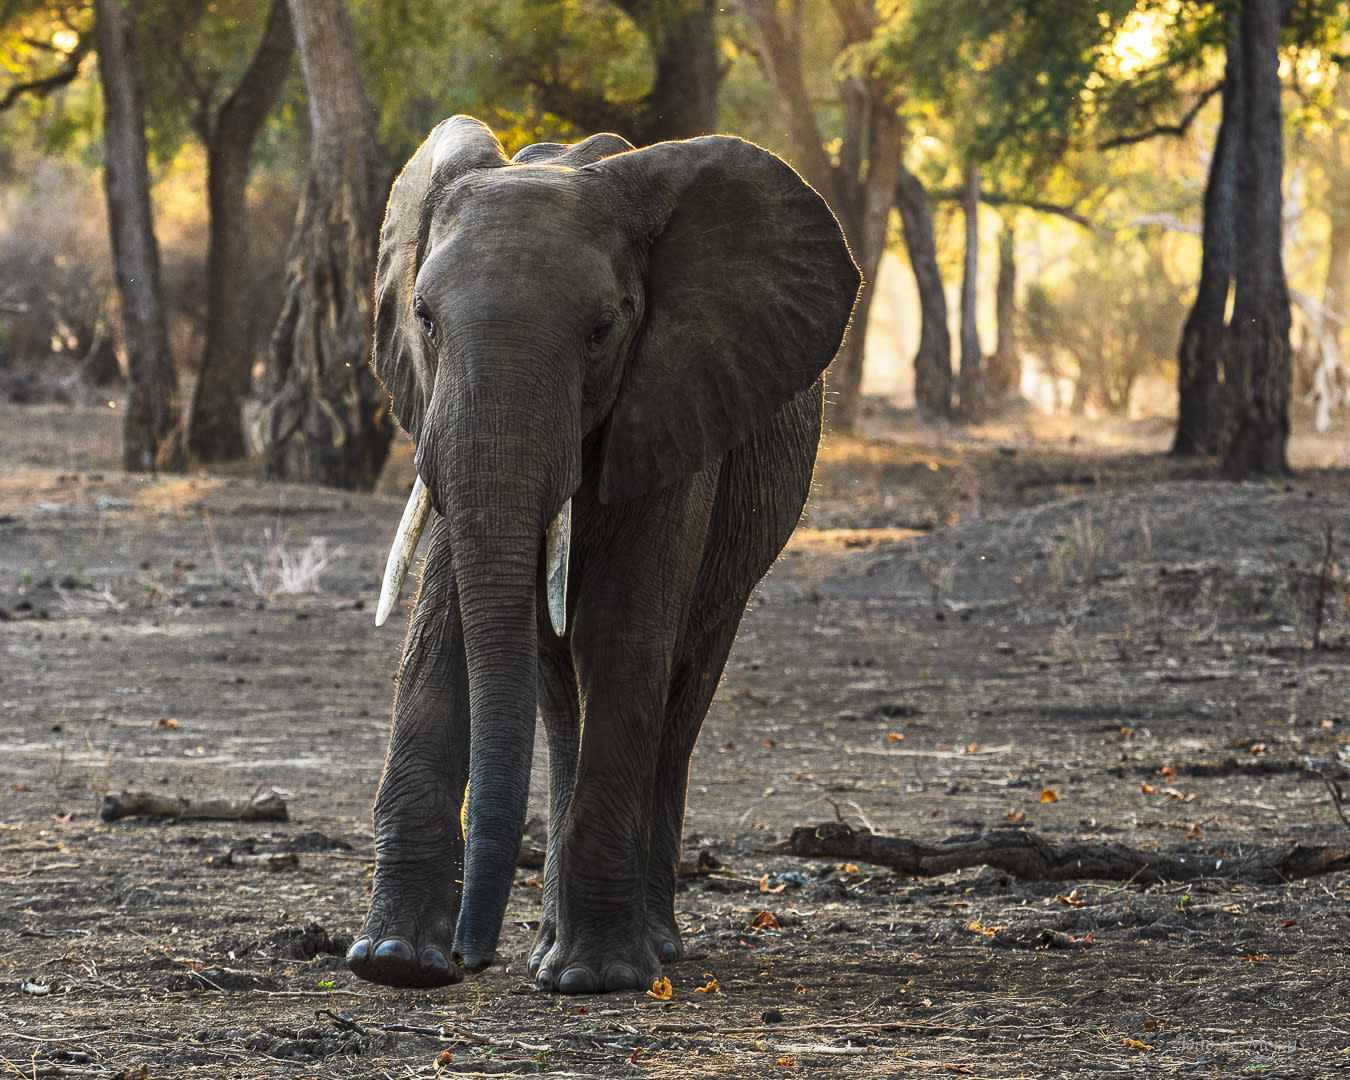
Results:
x,y
557,545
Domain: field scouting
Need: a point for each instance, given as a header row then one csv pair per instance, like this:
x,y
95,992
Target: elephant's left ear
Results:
x,y
750,288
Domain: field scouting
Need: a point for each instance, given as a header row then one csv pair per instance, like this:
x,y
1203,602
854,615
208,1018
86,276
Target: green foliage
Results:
x,y
1008,73
48,83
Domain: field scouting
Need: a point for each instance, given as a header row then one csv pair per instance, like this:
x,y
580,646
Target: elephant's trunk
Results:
x,y
497,603
502,462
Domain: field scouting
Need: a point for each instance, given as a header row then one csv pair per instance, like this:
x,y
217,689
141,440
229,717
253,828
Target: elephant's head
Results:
x,y
630,315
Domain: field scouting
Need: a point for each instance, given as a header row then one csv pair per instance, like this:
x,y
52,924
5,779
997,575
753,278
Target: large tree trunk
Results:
x,y
1257,359
326,418
153,428
972,376
683,40
933,360
216,429
1202,337
1004,375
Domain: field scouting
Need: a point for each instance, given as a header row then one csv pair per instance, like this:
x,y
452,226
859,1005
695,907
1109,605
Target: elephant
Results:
x,y
610,364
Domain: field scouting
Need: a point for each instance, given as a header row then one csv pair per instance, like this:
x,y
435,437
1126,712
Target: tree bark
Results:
x,y
933,360
325,417
1257,367
972,377
1029,857
1202,336
1004,376
683,40
153,428
216,428
860,189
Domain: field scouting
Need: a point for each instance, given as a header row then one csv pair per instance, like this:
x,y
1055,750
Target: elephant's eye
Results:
x,y
424,318
600,331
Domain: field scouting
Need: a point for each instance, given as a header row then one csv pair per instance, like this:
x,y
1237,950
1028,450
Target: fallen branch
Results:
x,y
1029,857
268,806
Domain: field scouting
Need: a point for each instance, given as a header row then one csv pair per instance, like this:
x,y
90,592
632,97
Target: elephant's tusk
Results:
x,y
401,554
558,543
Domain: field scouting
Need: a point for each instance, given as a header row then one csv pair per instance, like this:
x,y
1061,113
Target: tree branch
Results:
x,y
995,198
62,76
1029,857
1179,128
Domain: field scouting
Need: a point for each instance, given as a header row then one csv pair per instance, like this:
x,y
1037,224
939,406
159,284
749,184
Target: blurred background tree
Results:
x,y
1018,154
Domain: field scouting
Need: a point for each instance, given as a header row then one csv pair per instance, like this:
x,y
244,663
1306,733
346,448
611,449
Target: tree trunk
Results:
x,y
153,428
1326,387
860,188
1202,337
972,379
1257,358
683,40
1004,376
933,360
216,430
326,417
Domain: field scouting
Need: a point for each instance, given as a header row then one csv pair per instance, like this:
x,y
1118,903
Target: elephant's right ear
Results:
x,y
402,360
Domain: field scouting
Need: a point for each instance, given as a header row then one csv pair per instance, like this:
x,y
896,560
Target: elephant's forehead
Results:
x,y
529,197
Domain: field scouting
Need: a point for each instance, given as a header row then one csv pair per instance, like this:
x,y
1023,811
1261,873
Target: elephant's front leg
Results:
x,y
408,936
629,619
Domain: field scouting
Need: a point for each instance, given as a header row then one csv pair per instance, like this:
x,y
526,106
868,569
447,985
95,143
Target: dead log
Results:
x,y
1029,857
267,806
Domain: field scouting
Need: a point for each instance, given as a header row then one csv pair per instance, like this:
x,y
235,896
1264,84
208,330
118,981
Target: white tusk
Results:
x,y
557,543
401,554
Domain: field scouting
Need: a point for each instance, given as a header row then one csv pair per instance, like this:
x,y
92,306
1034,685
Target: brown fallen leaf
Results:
x,y
764,920
711,987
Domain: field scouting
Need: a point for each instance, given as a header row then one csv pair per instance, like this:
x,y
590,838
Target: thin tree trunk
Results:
x,y
326,418
1202,337
152,430
860,188
216,429
933,360
972,378
1004,376
1257,357
1331,320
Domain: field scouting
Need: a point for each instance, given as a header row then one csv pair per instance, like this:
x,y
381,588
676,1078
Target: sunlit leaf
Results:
x,y
661,990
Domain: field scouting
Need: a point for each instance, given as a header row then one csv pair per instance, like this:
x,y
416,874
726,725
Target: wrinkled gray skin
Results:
x,y
643,331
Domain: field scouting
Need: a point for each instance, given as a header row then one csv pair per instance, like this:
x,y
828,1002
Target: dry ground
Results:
x,y
966,623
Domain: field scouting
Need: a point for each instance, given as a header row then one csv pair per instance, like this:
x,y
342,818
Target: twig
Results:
x,y
1337,797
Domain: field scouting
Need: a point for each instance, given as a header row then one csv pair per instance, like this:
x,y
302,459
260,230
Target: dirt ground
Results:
x,y
970,624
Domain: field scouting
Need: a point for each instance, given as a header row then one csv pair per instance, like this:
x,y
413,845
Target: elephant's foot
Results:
x,y
597,972
665,939
394,961
405,944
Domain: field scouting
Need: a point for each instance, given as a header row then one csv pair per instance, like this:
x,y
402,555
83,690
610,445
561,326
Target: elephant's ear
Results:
x,y
575,155
401,358
750,287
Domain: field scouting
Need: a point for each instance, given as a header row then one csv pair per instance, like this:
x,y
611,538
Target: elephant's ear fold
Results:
x,y
401,358
750,287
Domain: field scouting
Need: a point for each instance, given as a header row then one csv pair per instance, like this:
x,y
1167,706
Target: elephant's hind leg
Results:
x,y
408,936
